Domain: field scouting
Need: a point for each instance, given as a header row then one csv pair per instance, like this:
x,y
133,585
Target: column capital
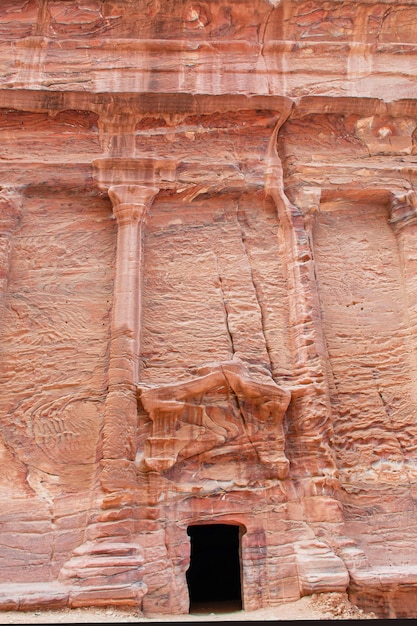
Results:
x,y
130,202
403,208
307,200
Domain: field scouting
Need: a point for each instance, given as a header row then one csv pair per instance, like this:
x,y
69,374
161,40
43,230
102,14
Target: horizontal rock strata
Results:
x,y
208,299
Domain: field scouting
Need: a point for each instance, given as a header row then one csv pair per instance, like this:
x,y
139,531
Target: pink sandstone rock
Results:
x,y
208,296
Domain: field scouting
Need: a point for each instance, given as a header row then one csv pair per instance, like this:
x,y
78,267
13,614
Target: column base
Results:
x,y
102,573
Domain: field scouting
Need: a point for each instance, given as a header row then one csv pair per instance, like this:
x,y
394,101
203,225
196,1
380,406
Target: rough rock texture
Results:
x,y
208,296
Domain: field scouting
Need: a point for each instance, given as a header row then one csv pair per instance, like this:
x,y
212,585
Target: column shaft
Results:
x,y
130,204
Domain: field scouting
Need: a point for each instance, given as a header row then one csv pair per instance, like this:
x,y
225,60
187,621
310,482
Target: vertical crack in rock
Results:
x,y
388,413
387,410
255,285
329,361
262,34
226,308
239,406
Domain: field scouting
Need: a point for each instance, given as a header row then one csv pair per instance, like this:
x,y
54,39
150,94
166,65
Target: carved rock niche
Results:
x,y
221,407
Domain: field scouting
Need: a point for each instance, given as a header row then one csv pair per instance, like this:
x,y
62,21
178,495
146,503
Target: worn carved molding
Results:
x,y
221,404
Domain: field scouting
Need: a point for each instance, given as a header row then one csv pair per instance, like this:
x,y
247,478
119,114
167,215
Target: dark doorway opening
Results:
x,y
214,576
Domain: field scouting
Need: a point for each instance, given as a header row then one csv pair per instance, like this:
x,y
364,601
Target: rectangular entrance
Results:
x,y
214,575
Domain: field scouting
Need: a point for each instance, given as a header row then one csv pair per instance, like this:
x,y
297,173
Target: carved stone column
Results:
x,y
313,465
109,564
311,406
312,460
404,223
130,204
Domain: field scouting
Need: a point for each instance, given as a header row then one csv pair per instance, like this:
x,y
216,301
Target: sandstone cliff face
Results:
x,y
208,296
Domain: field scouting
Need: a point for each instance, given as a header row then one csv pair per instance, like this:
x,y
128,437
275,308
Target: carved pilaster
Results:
x,y
403,221
130,204
310,410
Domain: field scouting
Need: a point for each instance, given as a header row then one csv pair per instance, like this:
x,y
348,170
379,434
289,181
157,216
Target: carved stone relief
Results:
x,y
220,404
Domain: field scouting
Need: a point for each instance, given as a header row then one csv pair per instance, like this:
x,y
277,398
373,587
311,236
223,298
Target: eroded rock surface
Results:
x,y
208,297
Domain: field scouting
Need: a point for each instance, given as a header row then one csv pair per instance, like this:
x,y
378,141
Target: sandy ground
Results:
x,y
327,606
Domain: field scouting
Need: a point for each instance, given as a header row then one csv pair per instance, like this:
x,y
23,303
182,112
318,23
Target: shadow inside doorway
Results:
x,y
214,575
